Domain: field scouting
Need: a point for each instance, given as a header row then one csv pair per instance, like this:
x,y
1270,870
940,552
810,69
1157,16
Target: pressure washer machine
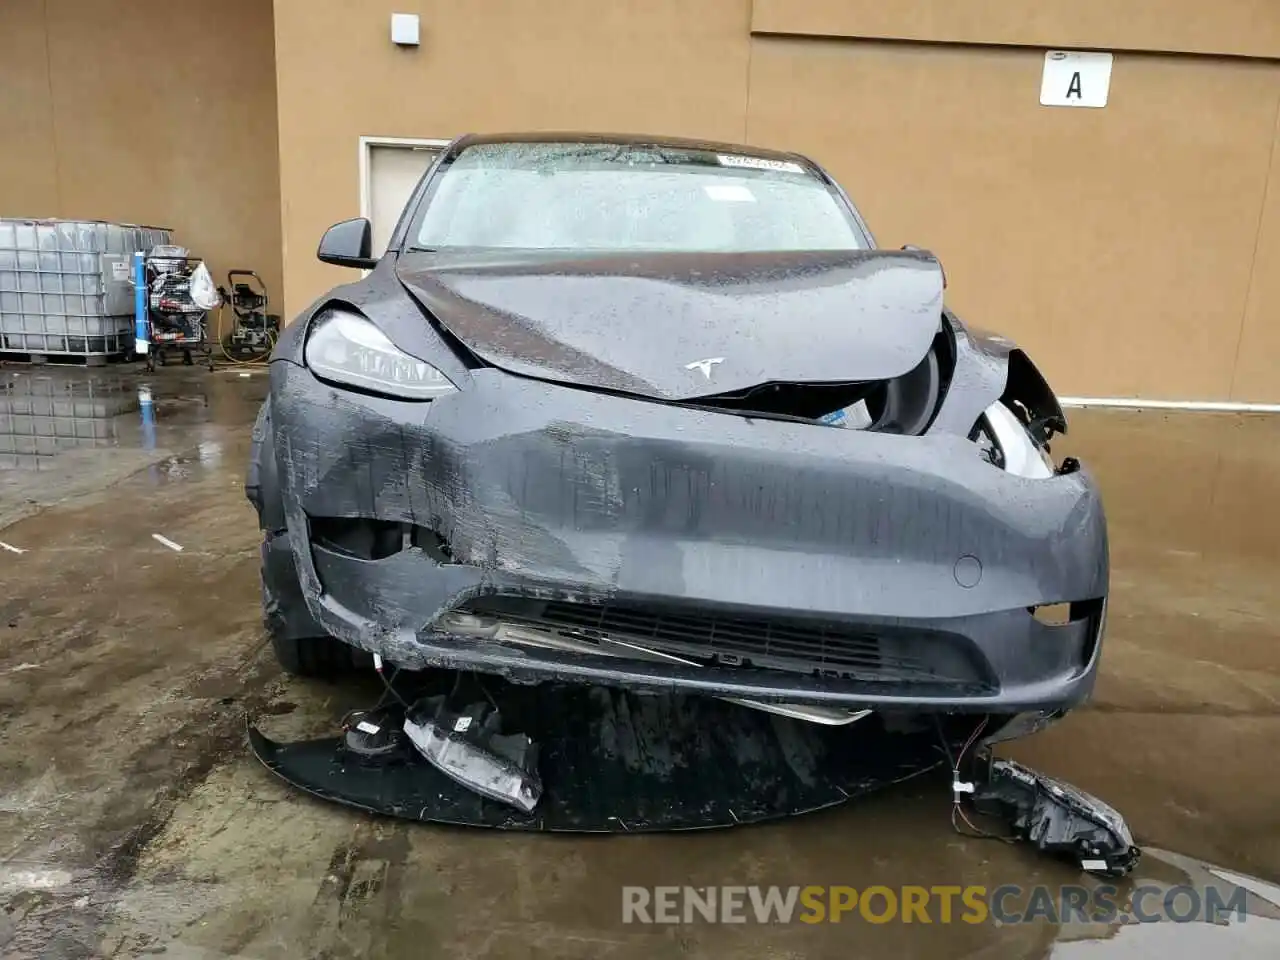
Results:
x,y
254,332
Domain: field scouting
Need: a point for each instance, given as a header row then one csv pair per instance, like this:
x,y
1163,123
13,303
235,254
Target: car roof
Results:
x,y
679,143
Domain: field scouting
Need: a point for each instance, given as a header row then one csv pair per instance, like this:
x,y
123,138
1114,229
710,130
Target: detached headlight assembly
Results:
x,y
1007,443
345,348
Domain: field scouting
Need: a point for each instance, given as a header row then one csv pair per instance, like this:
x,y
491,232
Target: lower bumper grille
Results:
x,y
836,650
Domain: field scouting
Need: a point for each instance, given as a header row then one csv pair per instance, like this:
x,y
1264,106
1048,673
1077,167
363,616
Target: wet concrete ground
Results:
x,y
133,820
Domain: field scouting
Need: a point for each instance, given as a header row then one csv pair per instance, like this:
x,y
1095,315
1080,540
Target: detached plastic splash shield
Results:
x,y
613,761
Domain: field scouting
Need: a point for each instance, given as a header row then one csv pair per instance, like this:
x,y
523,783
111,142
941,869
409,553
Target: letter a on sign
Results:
x,y
1074,79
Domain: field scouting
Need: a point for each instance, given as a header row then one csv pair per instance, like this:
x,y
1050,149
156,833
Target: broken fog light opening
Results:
x,y
1008,444
346,349
1061,614
1053,614
364,539
357,537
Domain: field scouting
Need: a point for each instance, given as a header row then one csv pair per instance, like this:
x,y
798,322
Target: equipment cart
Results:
x,y
175,321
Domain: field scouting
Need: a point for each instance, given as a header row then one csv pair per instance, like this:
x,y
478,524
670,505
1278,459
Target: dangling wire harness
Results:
x,y
961,787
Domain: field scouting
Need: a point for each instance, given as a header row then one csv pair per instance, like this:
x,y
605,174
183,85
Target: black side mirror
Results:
x,y
914,249
348,244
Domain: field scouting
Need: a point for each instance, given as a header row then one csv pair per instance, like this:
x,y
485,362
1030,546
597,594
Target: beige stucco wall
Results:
x,y
1098,239
1248,28
662,66
148,111
1135,250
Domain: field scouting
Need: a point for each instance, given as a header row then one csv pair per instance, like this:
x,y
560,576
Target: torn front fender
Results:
x,y
1027,393
989,368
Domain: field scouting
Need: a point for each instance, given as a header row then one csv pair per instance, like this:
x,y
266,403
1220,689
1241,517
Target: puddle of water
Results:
x,y
48,413
43,415
1252,940
1176,906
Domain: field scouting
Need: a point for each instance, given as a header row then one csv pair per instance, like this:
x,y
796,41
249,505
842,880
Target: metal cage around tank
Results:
x,y
66,285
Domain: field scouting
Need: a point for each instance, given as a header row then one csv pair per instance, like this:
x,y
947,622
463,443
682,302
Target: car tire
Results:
x,y
322,657
307,656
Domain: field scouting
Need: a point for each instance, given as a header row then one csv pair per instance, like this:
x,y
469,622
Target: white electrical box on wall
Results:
x,y
404,29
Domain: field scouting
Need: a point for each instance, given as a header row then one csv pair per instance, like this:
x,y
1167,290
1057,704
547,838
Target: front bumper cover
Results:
x,y
567,495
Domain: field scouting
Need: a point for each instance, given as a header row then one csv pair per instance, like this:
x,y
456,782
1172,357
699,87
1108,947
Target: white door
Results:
x,y
393,173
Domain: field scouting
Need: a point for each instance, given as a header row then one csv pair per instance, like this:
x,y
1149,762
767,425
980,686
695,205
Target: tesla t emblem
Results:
x,y
704,365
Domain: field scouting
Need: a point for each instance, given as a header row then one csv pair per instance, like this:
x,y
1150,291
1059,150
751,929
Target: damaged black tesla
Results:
x,y
658,414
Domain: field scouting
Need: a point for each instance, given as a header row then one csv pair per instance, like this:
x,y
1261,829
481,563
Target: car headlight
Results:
x,y
344,347
1010,445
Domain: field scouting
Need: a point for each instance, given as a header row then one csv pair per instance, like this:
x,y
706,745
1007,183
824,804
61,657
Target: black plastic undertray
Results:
x,y
614,762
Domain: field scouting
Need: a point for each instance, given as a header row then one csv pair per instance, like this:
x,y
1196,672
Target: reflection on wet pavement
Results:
x,y
132,818
42,416
65,432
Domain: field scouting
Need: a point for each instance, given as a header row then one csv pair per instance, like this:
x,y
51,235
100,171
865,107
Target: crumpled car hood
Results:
x,y
683,326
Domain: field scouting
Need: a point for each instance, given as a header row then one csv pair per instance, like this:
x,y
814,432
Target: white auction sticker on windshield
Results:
x,y
758,163
729,193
